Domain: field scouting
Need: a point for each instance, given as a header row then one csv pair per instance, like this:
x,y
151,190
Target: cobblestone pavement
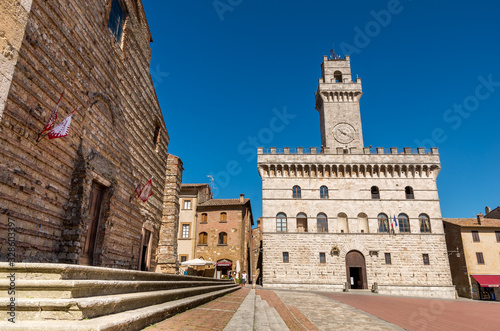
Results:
x,y
326,314
213,315
426,314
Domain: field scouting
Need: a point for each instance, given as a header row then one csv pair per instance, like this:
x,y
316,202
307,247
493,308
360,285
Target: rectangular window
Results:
x,y
388,258
426,259
185,231
322,258
223,217
475,236
204,218
285,257
183,258
187,204
480,258
497,233
117,19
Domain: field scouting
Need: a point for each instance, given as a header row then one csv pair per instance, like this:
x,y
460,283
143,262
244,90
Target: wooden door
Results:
x,y
96,195
355,261
145,250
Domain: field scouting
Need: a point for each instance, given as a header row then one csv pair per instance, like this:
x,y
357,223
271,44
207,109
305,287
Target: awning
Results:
x,y
488,280
224,264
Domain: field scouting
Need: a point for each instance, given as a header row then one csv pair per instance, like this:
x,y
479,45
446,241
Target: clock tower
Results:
x,y
337,101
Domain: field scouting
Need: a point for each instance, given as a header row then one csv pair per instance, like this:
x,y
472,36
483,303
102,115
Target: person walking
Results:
x,y
244,278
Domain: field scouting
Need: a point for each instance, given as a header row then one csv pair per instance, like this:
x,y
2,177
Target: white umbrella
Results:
x,y
237,267
197,262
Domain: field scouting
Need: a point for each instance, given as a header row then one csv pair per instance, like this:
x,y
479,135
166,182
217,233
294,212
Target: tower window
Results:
x,y
404,223
296,192
322,223
338,76
281,222
117,18
497,234
187,204
156,137
285,257
388,258
204,218
323,192
409,192
425,257
185,231
222,238
475,236
425,224
480,258
375,192
383,223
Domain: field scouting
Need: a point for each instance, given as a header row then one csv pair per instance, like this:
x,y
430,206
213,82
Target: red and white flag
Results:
x,y
146,191
62,129
52,118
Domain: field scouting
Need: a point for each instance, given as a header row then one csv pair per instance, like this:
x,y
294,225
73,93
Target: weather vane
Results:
x,y
333,55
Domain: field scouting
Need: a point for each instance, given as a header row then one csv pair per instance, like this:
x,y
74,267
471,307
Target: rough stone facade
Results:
x,y
237,225
336,209
117,134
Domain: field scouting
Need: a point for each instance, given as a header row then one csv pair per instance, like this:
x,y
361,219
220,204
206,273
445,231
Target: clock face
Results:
x,y
343,133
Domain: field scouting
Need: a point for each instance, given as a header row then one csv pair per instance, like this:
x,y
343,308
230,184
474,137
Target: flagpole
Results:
x,y
56,107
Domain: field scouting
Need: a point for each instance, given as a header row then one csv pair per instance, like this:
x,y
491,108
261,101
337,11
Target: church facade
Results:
x,y
345,216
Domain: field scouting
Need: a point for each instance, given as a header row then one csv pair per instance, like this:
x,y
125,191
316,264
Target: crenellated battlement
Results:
x,y
352,150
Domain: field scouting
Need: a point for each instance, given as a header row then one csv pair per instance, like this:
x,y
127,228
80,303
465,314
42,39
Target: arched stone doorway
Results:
x,y
356,270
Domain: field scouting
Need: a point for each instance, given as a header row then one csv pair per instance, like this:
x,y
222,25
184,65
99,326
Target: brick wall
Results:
x,y
45,186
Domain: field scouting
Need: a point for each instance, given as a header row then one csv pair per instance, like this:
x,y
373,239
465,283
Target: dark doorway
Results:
x,y
145,250
356,270
96,195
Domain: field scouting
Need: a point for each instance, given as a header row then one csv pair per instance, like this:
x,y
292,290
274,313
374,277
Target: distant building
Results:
x,y
474,254
223,234
72,199
328,213
190,197
257,252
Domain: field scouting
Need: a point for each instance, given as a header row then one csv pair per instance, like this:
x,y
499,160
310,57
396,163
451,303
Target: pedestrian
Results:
x,y
244,278
185,272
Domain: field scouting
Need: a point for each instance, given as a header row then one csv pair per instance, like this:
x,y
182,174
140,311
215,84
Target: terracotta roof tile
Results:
x,y
486,222
193,185
223,202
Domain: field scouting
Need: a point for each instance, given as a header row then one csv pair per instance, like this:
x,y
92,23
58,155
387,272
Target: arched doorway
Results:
x,y
356,270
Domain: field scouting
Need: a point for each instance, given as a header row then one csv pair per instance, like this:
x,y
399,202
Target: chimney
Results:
x,y
479,218
487,210
242,198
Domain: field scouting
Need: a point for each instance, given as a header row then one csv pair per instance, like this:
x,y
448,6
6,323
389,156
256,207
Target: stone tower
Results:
x,y
337,101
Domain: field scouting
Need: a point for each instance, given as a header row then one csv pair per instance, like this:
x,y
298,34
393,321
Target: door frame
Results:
x,y
350,262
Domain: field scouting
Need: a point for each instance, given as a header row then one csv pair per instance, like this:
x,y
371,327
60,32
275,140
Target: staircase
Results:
x,y
71,297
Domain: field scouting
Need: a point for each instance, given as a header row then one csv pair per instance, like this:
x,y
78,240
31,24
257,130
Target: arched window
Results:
x,y
409,192
204,218
301,222
363,223
203,238
338,76
222,238
375,192
425,223
281,222
342,223
404,223
323,192
322,221
296,192
383,223
223,217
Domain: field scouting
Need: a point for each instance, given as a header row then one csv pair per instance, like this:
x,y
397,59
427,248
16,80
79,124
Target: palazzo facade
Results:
x,y
345,216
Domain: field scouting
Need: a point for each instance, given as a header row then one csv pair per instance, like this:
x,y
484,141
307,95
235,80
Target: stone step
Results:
x,y
92,307
136,319
261,321
66,289
59,271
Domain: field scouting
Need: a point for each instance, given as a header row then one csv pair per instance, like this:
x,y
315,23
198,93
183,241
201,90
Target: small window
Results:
x,y
222,238
388,258
322,223
375,192
204,218
185,231
383,223
117,18
338,76
475,236
156,137
322,258
223,217
285,257
409,192
187,204
480,258
183,258
323,192
404,223
426,259
281,222
203,238
425,224
296,192
497,233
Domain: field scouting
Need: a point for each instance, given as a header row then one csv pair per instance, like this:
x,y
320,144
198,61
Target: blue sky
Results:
x,y
430,72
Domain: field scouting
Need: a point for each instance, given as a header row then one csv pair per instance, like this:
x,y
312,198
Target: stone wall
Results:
x,y
117,134
167,245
